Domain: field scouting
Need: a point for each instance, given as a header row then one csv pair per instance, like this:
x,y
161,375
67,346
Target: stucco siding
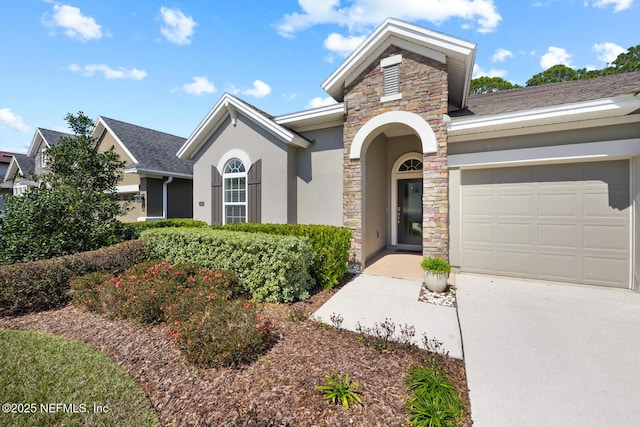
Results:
x,y
319,178
258,144
375,200
635,191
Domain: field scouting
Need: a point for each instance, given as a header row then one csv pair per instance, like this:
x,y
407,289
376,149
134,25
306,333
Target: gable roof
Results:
x,y
50,137
558,103
229,106
151,151
458,54
21,164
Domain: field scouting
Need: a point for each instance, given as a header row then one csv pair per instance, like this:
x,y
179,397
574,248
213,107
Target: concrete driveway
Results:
x,y
549,354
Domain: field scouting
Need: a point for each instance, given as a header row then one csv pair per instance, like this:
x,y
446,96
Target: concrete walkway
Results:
x,y
549,354
370,299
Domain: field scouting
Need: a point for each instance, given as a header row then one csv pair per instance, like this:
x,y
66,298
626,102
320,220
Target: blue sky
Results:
x,y
164,64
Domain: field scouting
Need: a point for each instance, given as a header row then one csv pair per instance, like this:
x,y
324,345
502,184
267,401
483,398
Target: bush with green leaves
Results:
x,y
435,402
139,226
271,268
44,285
339,390
75,209
331,246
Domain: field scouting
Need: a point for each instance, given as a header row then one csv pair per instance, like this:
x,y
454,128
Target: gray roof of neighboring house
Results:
x,y
26,164
154,150
512,100
52,136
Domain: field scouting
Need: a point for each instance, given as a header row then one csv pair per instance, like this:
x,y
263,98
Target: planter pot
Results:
x,y
435,282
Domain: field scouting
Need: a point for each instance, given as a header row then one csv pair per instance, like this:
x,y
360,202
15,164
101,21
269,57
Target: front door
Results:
x,y
409,210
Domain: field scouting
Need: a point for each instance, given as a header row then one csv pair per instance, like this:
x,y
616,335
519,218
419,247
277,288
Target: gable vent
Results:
x,y
391,78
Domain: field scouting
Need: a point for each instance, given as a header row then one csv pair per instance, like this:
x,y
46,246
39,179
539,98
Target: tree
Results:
x,y
74,209
485,84
628,61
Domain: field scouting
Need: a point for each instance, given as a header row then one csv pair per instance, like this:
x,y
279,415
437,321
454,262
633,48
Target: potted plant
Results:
x,y
436,272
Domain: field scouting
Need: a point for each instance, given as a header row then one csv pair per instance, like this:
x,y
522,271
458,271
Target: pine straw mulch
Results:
x,y
277,390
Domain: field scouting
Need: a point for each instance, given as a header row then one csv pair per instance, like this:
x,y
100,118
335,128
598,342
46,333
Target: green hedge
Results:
x,y
270,267
164,223
43,285
331,245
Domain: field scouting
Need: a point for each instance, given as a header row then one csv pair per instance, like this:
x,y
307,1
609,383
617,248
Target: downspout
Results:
x,y
165,196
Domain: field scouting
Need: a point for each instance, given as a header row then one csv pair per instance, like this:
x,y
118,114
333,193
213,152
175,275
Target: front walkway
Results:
x,y
370,299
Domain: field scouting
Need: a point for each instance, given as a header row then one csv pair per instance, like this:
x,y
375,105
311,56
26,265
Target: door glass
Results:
x,y
410,223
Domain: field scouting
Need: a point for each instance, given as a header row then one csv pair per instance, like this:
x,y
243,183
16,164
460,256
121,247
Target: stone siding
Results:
x,y
423,84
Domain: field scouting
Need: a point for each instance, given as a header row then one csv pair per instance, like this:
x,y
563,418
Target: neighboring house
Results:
x,y
540,182
6,188
156,183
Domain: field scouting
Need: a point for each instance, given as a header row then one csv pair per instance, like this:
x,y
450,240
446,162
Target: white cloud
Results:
x,y
362,14
501,55
260,89
608,52
75,25
178,28
478,71
320,102
618,5
108,72
13,121
555,56
341,45
199,86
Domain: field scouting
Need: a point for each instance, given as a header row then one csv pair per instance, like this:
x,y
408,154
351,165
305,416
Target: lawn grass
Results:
x,y
63,382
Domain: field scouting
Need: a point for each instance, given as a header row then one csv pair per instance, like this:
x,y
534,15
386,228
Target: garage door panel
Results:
x,y
605,271
598,237
515,234
558,267
564,222
559,236
518,205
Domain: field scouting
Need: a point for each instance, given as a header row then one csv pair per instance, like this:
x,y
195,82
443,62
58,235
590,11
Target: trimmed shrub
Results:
x,y
331,246
164,223
270,267
43,285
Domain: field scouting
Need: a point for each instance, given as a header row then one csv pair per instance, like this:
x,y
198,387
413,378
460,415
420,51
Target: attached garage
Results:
x,y
560,222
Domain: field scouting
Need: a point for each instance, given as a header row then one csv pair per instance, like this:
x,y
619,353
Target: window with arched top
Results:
x,y
235,191
410,165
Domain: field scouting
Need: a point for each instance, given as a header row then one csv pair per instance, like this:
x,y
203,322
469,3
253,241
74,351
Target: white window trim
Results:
x,y
44,159
18,190
224,185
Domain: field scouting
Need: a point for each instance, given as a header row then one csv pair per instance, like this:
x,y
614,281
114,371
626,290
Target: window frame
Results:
x,y
227,176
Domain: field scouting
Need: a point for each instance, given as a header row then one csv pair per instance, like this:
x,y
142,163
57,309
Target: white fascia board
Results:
x,y
133,188
157,173
101,122
215,118
12,170
607,107
35,143
409,34
316,118
623,148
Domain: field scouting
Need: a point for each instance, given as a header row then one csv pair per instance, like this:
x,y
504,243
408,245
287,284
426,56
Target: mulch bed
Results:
x,y
277,390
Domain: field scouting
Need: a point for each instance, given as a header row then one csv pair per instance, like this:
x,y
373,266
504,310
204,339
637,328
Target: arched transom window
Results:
x,y
235,191
410,165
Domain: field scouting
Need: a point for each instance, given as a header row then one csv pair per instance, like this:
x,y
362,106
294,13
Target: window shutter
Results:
x,y
216,196
254,189
391,80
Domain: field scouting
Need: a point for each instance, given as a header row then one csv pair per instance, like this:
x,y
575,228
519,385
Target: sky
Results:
x,y
164,64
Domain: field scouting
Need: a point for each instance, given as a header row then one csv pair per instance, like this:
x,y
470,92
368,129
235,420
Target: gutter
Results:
x,y
165,197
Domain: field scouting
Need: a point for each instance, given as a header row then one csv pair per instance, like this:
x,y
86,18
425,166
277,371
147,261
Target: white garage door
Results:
x,y
567,222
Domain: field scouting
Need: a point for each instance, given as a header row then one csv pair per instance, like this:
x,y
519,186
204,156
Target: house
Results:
x,y
6,188
540,182
22,167
155,182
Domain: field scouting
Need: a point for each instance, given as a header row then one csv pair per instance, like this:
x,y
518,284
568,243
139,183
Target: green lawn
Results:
x,y
48,380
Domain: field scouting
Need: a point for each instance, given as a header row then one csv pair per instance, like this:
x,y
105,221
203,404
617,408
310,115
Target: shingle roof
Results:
x,y
26,164
508,101
154,150
53,136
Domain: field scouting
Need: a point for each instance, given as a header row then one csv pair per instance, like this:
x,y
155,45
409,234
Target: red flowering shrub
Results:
x,y
205,309
223,333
